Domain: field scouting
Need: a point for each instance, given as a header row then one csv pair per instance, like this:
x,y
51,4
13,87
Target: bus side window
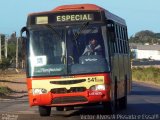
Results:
x,y
111,36
126,40
116,44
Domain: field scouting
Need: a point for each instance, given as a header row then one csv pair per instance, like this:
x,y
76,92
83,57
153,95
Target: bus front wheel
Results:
x,y
60,108
44,110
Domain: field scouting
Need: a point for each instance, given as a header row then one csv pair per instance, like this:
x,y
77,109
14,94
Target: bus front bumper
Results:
x,y
69,99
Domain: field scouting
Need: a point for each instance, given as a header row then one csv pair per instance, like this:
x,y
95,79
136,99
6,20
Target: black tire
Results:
x,y
123,103
44,110
60,108
109,107
68,108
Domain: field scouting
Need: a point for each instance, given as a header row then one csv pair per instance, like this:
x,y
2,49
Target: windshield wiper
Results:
x,y
60,38
82,28
77,34
53,30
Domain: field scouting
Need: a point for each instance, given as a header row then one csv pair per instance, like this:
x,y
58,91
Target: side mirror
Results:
x,y
23,46
23,42
24,39
24,29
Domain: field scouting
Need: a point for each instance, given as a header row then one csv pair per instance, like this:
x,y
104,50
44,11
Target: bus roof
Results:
x,y
83,7
78,7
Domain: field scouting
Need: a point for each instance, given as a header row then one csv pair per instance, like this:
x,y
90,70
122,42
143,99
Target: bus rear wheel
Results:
x,y
123,102
44,110
109,107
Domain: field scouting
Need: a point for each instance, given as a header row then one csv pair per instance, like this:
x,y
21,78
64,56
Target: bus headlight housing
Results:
x,y
37,91
98,87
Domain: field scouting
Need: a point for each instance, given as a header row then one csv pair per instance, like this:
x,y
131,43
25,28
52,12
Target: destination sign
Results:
x,y
76,17
64,17
42,20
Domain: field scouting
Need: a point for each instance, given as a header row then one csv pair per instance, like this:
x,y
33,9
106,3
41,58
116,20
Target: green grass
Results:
x,y
5,91
150,74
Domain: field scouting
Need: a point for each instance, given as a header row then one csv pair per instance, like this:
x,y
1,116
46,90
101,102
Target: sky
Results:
x,y
139,14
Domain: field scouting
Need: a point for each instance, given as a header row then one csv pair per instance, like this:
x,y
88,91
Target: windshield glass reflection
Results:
x,y
85,51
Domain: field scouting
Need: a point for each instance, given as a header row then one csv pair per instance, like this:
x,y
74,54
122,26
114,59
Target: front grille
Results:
x,y
71,99
66,82
71,90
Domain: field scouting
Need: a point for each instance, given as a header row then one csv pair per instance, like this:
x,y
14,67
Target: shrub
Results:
x,y
5,63
5,90
146,74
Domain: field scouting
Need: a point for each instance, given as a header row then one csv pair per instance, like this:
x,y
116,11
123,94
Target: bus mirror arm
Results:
x,y
24,29
23,40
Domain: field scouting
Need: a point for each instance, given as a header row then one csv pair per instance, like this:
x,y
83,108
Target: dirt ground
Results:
x,y
14,81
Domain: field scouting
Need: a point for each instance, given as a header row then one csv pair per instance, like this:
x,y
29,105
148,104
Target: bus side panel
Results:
x,y
115,68
120,89
126,71
129,75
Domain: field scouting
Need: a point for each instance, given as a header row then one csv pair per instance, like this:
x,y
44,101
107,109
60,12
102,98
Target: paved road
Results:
x,y
143,104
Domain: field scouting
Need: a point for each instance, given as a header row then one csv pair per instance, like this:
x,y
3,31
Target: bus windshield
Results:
x,y
67,51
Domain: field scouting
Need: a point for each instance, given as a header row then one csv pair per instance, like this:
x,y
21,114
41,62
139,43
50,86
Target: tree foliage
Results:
x,y
146,36
5,63
12,48
11,52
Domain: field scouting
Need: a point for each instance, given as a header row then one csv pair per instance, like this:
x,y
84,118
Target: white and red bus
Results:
x,y
60,74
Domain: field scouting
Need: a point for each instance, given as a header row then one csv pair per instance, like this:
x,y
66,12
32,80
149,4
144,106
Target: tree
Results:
x,y
5,63
12,48
146,36
144,33
2,44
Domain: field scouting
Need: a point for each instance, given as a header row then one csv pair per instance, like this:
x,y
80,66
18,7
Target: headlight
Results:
x,y
98,87
37,91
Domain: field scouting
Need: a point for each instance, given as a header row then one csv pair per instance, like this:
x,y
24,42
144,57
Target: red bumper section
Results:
x,y
69,99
